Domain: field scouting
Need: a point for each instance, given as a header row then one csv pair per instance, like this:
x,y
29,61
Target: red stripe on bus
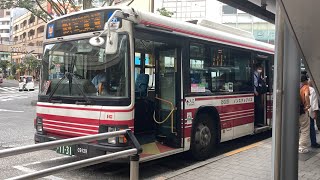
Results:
x,y
222,97
72,129
235,107
70,133
87,109
204,36
61,123
86,120
226,124
225,109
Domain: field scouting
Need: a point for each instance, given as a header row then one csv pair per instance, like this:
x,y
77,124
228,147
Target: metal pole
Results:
x,y
290,115
134,167
55,144
152,6
76,165
277,95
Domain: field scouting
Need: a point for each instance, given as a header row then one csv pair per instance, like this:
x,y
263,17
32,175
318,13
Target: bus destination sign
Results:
x,y
83,23
79,23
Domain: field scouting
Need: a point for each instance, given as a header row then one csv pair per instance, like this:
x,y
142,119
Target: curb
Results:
x,y
34,102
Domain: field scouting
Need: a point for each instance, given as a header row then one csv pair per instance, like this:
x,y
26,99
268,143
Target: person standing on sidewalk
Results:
x,y
313,111
304,121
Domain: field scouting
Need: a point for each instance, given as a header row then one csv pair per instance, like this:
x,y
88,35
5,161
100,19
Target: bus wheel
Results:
x,y
203,137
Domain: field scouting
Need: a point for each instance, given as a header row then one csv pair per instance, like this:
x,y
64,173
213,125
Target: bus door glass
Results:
x,y
261,116
166,92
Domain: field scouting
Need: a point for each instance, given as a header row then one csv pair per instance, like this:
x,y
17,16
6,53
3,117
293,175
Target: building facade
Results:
x,y
261,30
5,26
5,17
216,11
27,36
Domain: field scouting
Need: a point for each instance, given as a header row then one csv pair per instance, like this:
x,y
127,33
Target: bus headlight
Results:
x,y
120,140
39,125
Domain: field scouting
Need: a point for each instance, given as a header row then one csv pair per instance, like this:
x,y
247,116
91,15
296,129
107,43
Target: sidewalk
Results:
x,y
252,162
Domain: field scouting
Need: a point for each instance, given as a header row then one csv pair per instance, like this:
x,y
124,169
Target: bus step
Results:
x,y
262,129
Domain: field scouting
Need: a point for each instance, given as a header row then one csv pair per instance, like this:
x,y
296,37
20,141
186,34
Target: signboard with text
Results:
x,y
79,23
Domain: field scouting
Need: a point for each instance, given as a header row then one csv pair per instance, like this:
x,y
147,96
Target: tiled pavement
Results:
x,y
250,163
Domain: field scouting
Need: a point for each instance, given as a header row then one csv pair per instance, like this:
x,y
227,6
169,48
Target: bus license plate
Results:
x,y
66,150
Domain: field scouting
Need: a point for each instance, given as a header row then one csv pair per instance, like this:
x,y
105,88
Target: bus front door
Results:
x,y
167,93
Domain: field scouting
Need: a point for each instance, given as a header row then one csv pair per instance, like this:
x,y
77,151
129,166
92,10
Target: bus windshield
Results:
x,y
93,73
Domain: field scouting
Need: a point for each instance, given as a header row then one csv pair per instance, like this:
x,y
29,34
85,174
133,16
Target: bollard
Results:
x,y
134,167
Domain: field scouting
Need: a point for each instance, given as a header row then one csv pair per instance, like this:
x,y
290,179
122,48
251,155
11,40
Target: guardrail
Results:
x,y
133,153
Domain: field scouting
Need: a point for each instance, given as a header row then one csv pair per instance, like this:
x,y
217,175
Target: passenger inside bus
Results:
x,y
145,127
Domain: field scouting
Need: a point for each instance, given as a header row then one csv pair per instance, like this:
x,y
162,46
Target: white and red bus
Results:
x,y
179,86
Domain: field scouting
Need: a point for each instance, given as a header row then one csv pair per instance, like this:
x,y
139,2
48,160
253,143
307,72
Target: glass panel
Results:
x,y
232,70
199,64
167,77
92,71
217,69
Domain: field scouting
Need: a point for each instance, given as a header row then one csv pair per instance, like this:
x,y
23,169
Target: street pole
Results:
x,y
277,95
290,108
134,167
152,6
286,102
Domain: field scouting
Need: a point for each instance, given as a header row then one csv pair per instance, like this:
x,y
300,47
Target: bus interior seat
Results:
x,y
141,85
144,126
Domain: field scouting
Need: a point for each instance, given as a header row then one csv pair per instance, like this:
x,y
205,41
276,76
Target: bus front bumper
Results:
x,y
84,149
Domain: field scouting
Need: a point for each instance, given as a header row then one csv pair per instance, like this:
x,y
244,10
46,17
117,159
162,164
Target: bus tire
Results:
x,y
204,137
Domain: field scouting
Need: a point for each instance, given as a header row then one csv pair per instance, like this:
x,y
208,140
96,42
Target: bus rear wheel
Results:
x,y
203,138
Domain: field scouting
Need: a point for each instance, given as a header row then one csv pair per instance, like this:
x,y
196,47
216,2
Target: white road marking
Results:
x,y
28,170
25,169
12,93
7,110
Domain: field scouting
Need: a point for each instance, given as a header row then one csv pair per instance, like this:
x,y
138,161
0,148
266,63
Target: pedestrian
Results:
x,y
24,82
313,111
304,121
259,88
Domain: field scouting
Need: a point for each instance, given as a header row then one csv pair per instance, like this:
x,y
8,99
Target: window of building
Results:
x,y
31,32
32,19
8,13
215,69
228,10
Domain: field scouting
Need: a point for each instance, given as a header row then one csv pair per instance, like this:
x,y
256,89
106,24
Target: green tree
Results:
x,y
164,12
60,7
21,68
4,66
13,68
31,64
38,8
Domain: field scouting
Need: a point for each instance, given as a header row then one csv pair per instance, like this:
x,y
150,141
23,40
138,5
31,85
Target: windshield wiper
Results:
x,y
56,87
71,77
88,101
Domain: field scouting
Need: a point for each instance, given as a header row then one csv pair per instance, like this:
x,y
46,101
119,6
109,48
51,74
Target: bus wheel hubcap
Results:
x,y
203,135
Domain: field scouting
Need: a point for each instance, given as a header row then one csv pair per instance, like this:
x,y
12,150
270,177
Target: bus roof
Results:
x,y
188,29
201,32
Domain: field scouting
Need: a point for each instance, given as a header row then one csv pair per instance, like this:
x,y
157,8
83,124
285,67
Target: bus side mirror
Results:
x,y
112,43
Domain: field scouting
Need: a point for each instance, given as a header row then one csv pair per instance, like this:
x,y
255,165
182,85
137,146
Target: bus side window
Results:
x,y
231,71
199,69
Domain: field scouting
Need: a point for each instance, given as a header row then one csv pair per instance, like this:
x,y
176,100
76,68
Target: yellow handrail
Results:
x,y
169,115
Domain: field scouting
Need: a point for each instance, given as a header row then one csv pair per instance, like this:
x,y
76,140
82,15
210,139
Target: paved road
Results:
x,y
16,129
